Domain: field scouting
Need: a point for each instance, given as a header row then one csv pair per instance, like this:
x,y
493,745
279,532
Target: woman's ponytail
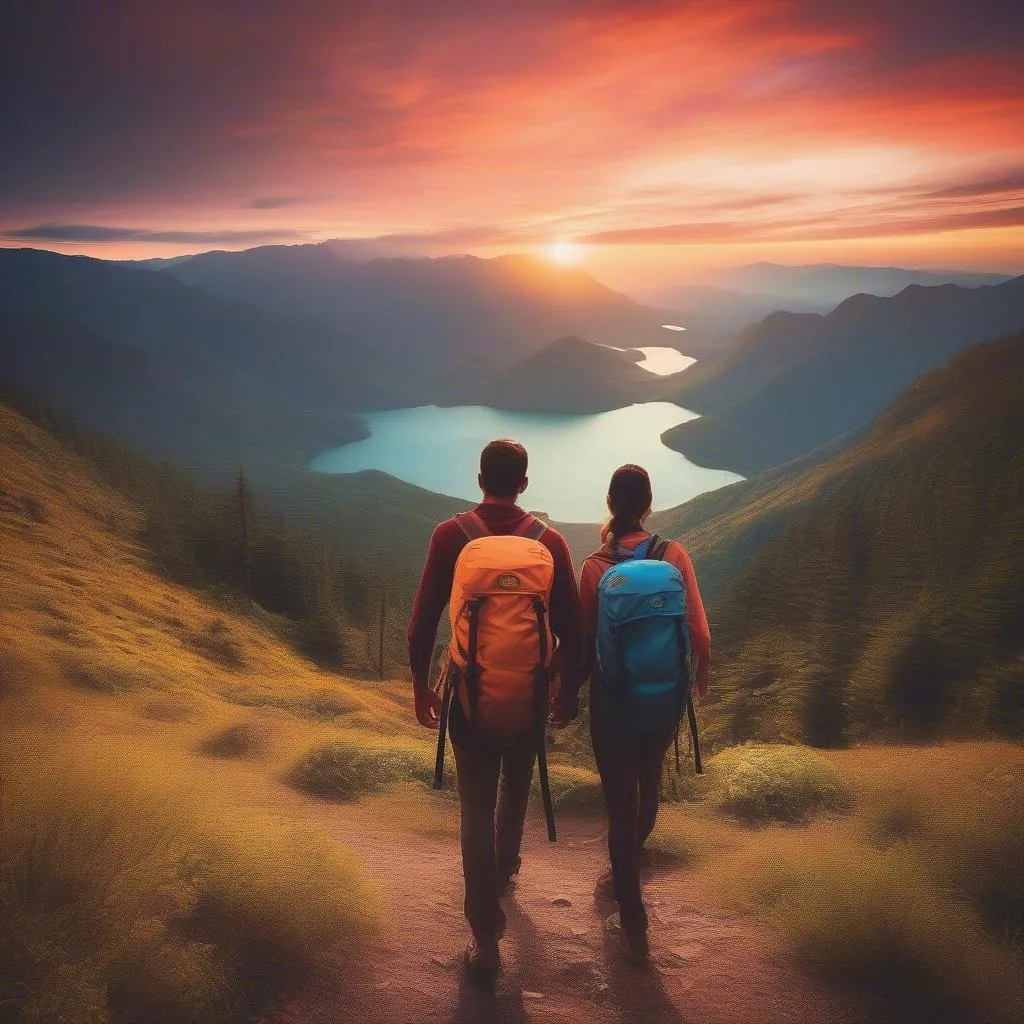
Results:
x,y
629,501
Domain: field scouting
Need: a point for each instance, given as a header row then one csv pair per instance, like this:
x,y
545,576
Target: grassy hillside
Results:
x,y
794,383
879,592
127,871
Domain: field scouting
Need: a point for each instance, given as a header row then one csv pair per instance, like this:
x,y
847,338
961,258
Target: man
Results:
x,y
493,779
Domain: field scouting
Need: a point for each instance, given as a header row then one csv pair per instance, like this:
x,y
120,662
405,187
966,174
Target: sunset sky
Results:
x,y
661,138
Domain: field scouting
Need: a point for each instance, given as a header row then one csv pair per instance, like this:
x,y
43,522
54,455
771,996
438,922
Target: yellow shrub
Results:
x,y
128,877
758,782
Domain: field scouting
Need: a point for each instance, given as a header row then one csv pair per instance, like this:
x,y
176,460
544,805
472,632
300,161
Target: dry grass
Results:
x,y
243,739
169,708
321,705
915,898
405,807
881,920
692,836
137,884
121,626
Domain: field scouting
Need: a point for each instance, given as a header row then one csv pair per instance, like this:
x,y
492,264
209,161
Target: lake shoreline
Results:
x,y
572,455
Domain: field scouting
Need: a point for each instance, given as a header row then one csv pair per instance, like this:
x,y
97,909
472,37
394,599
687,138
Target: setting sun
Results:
x,y
565,253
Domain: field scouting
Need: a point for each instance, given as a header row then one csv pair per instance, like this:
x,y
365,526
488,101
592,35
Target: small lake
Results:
x,y
664,361
571,456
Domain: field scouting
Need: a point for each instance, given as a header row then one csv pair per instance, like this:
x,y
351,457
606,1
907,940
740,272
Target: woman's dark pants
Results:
x,y
631,779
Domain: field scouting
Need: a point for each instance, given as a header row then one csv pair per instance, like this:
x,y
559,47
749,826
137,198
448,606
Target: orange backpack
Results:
x,y
499,659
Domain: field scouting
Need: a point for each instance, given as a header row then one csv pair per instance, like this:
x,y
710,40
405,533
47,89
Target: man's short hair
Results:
x,y
503,467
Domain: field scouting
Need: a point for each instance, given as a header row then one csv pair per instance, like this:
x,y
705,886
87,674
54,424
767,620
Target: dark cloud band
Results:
x,y
101,233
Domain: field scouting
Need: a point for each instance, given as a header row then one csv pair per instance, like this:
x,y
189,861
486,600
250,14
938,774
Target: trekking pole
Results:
x,y
442,728
692,716
545,787
541,695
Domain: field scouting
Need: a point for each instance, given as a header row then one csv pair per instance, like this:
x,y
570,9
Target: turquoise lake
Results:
x,y
571,456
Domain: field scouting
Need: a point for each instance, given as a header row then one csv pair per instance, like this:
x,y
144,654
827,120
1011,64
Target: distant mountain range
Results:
x,y
284,346
428,316
827,284
188,372
716,310
175,369
877,589
755,290
797,381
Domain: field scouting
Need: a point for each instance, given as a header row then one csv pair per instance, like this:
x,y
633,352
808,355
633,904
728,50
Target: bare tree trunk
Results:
x,y
243,516
383,616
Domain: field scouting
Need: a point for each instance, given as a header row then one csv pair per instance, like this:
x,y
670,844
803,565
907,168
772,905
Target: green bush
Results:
x,y
350,768
757,782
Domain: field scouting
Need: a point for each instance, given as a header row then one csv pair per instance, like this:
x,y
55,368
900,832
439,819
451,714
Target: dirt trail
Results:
x,y
558,963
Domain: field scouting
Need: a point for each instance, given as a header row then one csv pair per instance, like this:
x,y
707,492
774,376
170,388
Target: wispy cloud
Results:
x,y
278,202
1006,184
102,233
807,229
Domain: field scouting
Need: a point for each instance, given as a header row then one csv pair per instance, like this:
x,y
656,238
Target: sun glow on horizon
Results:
x,y
565,254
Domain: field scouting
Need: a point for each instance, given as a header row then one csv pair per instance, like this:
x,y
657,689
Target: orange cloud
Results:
x,y
468,125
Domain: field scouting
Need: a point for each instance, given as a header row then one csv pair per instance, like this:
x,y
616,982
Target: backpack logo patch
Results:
x,y
658,601
615,581
509,581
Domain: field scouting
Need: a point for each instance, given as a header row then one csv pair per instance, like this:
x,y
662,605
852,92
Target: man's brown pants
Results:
x,y
494,790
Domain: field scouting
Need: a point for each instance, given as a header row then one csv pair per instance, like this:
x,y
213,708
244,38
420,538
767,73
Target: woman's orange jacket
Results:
x,y
594,568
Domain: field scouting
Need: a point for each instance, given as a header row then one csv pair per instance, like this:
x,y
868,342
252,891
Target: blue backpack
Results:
x,y
643,678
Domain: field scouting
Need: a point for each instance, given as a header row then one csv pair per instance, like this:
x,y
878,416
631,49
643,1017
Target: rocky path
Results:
x,y
559,963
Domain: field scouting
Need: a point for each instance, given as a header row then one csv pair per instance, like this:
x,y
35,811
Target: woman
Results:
x,y
631,770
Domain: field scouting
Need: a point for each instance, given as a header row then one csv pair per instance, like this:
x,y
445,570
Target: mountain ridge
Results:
x,y
852,362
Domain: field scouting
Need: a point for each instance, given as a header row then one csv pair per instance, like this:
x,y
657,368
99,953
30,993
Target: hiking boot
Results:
x,y
482,955
632,941
634,944
508,881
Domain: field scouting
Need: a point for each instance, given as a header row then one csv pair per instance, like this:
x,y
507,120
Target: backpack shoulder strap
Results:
x,y
657,548
606,557
472,525
531,527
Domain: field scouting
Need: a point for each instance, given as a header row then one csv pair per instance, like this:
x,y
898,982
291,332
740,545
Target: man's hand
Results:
x,y
428,709
564,711
701,677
